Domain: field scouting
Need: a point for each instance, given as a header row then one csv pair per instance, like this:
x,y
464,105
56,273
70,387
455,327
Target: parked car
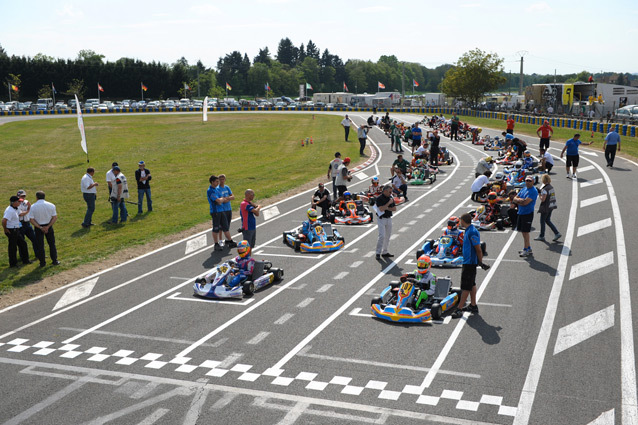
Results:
x,y
627,113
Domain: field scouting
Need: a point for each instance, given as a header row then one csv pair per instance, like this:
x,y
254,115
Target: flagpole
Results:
x,y
53,93
98,93
9,87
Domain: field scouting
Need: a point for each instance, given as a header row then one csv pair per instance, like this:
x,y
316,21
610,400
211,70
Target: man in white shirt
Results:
x,y
89,192
119,194
346,126
547,161
399,183
479,183
333,171
25,224
43,215
11,226
110,177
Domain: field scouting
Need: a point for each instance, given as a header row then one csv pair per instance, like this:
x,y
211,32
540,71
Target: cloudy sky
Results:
x,y
565,36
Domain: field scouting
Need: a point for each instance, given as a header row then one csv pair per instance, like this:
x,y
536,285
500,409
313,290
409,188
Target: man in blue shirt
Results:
x,y
612,141
224,196
211,194
416,137
526,200
472,257
571,146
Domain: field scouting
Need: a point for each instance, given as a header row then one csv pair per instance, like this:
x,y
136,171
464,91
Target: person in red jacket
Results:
x,y
545,131
510,125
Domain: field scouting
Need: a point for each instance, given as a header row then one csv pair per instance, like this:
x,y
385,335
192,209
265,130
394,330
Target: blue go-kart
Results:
x,y
444,252
216,284
322,238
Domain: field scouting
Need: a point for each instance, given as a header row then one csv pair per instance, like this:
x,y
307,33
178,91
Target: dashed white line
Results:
x,y
592,201
283,319
356,264
305,303
196,243
421,215
369,254
591,183
428,210
412,222
598,225
583,329
231,359
258,338
270,213
76,293
404,229
393,237
325,287
341,275
436,205
588,168
591,265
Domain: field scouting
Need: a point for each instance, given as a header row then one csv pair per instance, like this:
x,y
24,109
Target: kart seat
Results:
x,y
258,269
504,210
327,228
442,287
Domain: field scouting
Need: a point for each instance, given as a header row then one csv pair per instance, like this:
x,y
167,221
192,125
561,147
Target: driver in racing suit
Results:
x,y
423,277
308,225
244,265
528,161
456,234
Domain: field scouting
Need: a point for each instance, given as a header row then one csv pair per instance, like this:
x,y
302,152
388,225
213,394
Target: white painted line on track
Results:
x,y
361,176
592,201
583,329
394,236
305,303
356,264
270,254
143,337
588,168
420,216
270,212
341,275
210,301
429,210
258,338
589,183
404,229
606,418
196,243
593,227
284,318
325,287
76,293
591,265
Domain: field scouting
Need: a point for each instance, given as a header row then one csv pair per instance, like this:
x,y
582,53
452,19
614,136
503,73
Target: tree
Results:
x,y
475,74
312,50
90,57
76,86
45,92
3,53
287,52
263,56
16,81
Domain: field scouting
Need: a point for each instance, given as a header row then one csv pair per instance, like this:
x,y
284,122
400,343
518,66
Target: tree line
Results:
x,y
284,72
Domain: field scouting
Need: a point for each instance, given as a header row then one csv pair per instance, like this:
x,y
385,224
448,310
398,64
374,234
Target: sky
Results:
x,y
553,36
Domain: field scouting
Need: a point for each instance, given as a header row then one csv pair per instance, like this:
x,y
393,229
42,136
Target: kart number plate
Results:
x,y
406,287
223,269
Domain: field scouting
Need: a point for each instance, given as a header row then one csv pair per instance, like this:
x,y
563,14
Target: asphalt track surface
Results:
x,y
553,343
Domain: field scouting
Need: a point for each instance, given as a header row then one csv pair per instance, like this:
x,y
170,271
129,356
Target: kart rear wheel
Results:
x,y
278,273
376,300
249,288
499,224
419,253
285,238
436,311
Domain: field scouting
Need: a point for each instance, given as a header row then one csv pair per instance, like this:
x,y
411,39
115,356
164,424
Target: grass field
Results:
x,y
629,145
257,151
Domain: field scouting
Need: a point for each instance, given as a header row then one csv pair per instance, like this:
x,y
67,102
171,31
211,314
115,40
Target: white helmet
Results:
x,y
499,176
518,165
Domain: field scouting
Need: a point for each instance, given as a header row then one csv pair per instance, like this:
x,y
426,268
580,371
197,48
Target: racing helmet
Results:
x,y
479,130
453,223
518,165
492,197
423,264
375,181
243,249
347,195
489,159
499,176
312,215
480,210
419,162
527,154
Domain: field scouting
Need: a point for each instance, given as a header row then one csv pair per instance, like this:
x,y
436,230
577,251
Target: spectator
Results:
x,y
520,146
333,171
547,205
321,198
43,215
25,225
472,257
512,212
547,161
550,110
402,164
399,183
484,164
612,142
110,177
385,206
89,193
545,132
571,146
224,196
143,178
416,136
395,135
526,200
119,194
211,195
435,139
362,135
346,122
510,125
343,176
480,184
247,211
407,137
11,226
454,128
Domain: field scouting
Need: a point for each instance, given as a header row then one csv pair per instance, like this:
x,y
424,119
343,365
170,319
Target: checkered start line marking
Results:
x,y
152,360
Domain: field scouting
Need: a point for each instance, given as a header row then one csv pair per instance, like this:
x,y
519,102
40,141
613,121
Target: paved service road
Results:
x,y
553,344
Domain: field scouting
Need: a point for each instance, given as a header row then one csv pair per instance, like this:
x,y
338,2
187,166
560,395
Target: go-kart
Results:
x,y
516,179
445,158
354,213
220,277
401,302
482,221
444,252
321,238
421,176
494,144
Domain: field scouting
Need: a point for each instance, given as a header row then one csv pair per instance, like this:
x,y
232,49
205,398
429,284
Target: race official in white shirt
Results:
x,y
43,215
89,193
110,177
23,211
11,226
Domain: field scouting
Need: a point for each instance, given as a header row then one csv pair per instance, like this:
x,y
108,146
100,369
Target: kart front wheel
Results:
x,y
436,311
376,300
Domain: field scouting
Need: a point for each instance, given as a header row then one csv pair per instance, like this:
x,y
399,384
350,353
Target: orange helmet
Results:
x,y
453,223
423,264
492,198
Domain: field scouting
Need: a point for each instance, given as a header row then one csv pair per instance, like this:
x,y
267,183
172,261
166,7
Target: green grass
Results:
x,y
257,151
629,144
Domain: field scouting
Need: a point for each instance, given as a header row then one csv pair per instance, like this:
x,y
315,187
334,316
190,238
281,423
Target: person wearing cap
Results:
x,y
23,211
119,194
526,201
11,226
89,193
362,135
43,215
333,168
143,177
321,199
484,164
110,177
545,132
343,177
346,126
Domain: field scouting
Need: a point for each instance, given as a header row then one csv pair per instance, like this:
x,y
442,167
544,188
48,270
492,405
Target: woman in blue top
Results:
x,y
571,146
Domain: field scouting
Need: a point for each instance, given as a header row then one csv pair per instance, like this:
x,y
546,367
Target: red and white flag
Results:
x,y
99,87
345,88
381,85
414,83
